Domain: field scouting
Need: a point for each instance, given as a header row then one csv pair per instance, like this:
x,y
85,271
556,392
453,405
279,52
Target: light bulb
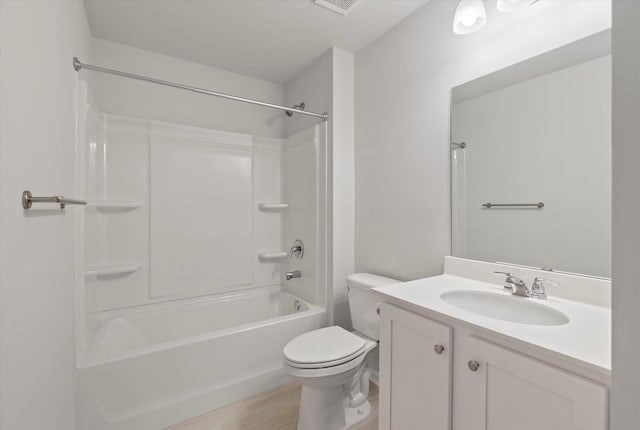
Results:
x,y
468,19
470,16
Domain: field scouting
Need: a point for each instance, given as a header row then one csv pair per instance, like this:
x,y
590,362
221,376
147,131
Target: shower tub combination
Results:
x,y
169,362
195,317
183,307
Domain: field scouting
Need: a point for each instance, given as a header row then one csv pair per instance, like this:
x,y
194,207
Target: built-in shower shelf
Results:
x,y
273,207
112,269
272,256
115,204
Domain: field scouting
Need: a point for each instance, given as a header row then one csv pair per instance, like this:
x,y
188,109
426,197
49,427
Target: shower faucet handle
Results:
x,y
297,249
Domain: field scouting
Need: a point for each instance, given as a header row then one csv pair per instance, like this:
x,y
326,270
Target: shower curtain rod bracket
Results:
x,y
78,65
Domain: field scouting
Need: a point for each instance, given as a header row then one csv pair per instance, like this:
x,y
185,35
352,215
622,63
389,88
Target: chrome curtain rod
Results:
x,y
77,66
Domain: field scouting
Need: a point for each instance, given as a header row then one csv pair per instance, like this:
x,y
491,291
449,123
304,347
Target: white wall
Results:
x,y
313,86
545,139
37,117
128,97
343,180
403,83
625,414
327,85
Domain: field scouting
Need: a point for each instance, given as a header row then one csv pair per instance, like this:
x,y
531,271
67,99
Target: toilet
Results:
x,y
331,362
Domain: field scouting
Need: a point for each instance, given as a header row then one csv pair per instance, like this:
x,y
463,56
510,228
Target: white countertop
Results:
x,y
585,340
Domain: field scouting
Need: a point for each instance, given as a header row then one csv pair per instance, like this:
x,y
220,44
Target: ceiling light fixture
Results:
x,y
514,5
470,16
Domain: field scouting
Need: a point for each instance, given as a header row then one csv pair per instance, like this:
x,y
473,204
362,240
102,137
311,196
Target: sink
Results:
x,y
505,307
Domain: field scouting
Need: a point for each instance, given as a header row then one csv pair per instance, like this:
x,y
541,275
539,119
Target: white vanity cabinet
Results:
x,y
500,389
475,384
415,371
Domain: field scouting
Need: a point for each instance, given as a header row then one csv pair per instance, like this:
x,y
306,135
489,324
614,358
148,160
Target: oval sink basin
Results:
x,y
506,308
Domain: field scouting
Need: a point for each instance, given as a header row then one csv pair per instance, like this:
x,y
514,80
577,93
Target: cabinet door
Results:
x,y
415,373
510,391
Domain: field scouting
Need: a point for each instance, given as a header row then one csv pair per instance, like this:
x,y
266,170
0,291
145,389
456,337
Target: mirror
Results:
x,y
531,162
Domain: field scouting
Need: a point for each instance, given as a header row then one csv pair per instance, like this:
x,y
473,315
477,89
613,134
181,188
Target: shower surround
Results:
x,y
183,306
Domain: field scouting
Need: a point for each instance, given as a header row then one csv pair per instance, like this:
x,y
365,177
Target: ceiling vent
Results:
x,y
343,7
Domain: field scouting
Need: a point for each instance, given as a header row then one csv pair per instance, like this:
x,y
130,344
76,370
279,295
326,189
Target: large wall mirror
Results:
x,y
531,162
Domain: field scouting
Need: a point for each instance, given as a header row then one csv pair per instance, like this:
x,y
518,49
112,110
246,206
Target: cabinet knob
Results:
x,y
473,365
439,349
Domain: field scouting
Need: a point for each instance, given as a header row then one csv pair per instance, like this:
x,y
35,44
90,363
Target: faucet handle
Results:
x,y
537,288
508,274
297,249
508,286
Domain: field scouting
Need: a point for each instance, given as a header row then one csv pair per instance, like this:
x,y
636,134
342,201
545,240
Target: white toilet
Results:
x,y
331,362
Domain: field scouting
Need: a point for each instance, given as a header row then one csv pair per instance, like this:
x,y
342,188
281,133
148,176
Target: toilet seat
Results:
x,y
322,348
325,364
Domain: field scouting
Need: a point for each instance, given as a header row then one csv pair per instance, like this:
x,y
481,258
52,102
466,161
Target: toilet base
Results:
x,y
354,416
323,408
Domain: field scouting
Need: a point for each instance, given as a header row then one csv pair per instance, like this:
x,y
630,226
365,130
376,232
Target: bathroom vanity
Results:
x,y
474,364
530,185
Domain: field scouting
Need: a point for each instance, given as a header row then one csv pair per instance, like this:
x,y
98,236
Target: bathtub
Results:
x,y
161,364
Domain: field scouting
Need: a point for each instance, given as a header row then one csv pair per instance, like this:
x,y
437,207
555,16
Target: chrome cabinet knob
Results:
x,y
473,365
439,349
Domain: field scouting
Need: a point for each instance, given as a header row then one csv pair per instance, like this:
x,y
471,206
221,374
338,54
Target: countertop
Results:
x,y
585,340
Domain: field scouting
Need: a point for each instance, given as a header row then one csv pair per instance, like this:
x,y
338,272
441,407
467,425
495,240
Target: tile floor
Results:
x,y
276,409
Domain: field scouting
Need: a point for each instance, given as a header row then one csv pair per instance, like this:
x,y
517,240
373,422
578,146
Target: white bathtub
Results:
x,y
149,368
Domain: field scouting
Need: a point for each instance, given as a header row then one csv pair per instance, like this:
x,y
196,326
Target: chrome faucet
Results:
x,y
295,274
514,285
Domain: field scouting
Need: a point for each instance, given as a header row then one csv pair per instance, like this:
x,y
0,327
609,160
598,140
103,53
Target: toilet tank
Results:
x,y
363,303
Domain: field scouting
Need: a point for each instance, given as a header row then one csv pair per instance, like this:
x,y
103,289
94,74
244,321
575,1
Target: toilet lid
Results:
x,y
329,344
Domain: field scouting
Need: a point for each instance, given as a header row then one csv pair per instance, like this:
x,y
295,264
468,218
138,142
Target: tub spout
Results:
x,y
294,274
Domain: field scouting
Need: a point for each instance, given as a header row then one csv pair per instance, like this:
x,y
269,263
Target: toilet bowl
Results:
x,y
331,363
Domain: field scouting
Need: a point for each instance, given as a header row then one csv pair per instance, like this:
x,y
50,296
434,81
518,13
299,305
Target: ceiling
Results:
x,y
269,39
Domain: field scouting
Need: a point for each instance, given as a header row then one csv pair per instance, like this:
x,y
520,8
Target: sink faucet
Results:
x,y
515,285
294,274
